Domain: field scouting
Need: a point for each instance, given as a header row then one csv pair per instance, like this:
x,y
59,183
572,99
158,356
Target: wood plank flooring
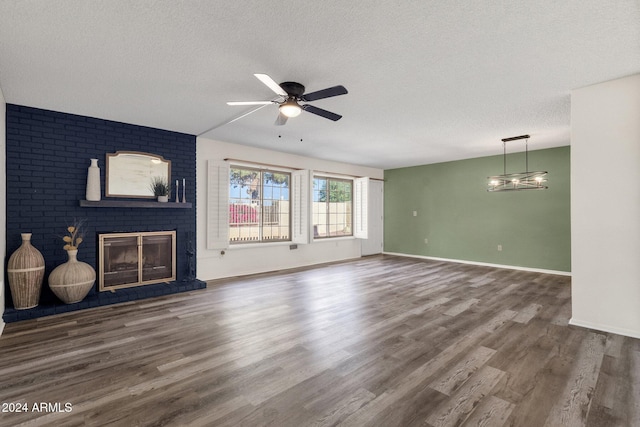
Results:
x,y
379,341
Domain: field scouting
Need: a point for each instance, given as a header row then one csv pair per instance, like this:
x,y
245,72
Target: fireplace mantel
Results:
x,y
133,204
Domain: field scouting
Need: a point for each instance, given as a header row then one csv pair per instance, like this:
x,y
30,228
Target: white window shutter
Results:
x,y
301,180
361,207
217,204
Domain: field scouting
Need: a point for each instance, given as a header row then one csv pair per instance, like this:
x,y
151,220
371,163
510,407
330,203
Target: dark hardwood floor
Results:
x,y
380,341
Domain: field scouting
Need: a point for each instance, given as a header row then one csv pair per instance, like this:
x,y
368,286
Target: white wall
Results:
x,y
3,198
605,206
256,259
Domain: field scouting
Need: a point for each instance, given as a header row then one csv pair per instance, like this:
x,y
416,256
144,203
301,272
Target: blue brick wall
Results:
x,y
48,155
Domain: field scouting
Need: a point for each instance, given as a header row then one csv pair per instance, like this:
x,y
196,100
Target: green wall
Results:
x,y
462,221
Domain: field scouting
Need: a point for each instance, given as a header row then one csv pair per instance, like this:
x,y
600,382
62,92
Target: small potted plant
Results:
x,y
160,188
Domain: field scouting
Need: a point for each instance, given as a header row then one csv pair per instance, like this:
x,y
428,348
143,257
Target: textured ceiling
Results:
x,y
428,81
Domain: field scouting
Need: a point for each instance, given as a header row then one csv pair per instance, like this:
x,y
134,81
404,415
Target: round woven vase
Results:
x,y
25,271
73,280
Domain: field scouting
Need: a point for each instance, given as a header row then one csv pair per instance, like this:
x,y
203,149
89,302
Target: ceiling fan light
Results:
x,y
290,108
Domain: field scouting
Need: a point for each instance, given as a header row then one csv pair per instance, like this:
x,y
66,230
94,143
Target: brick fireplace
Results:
x,y
48,154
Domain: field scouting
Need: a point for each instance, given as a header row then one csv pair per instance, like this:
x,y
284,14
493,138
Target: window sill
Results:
x,y
333,239
258,245
288,243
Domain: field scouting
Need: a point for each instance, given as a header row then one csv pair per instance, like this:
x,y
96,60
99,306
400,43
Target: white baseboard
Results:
x,y
486,264
1,327
605,328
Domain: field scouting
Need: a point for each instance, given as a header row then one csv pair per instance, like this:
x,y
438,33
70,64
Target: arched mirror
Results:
x,y
130,173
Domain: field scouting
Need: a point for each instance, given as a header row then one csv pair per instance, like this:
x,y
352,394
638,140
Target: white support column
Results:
x,y
605,206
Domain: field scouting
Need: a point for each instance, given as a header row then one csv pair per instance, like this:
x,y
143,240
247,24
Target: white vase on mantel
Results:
x,y
93,182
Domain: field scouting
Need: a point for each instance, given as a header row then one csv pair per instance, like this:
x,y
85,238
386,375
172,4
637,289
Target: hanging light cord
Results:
x,y
504,157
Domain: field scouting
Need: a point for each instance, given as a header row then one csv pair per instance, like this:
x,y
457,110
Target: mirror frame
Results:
x,y
129,173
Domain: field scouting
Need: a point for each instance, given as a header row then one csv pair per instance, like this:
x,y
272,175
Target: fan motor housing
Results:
x,y
293,88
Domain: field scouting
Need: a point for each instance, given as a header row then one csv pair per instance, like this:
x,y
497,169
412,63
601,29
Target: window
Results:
x,y
259,205
251,204
332,207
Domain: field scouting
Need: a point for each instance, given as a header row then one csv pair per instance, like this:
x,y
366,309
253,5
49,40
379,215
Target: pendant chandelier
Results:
x,y
520,180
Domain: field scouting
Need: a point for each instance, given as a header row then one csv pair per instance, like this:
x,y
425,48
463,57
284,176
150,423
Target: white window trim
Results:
x,y
252,165
241,246
301,191
217,204
333,239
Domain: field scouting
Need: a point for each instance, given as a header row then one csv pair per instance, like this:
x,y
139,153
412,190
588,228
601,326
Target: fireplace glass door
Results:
x,y
134,259
156,257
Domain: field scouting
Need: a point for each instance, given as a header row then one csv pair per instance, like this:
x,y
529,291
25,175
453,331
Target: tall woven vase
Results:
x,y
73,280
25,272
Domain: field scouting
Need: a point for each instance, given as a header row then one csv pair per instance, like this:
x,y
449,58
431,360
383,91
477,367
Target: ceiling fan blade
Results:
x,y
322,113
281,120
324,93
245,114
249,102
271,84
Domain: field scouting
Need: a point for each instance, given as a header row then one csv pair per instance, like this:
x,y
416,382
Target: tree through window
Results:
x,y
332,207
259,205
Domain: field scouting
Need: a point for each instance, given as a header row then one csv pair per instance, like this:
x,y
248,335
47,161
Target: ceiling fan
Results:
x,y
290,95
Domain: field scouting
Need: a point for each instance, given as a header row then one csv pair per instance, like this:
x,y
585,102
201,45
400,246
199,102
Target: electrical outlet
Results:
x,y
415,213
426,241
499,248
